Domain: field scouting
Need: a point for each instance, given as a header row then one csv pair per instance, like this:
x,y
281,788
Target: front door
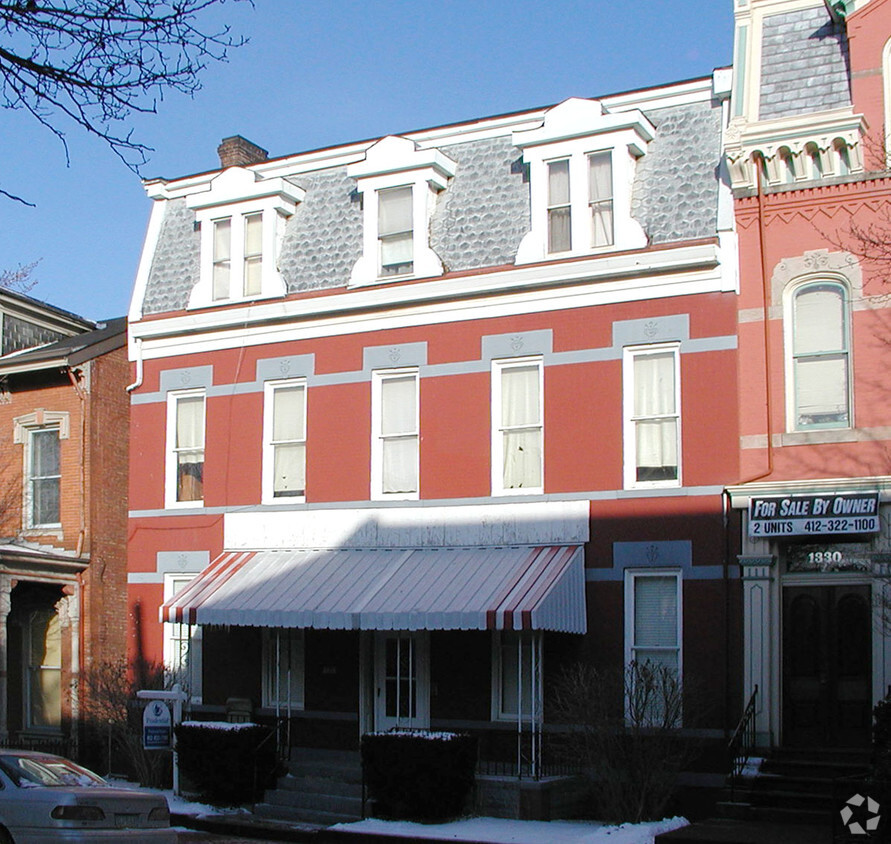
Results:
x,y
827,666
401,680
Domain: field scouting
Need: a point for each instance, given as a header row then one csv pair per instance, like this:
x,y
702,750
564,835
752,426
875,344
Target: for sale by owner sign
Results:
x,y
814,515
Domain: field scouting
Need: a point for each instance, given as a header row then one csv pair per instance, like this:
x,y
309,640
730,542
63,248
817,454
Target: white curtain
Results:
x,y
289,441
190,448
600,198
395,227
655,410
222,254
521,426
821,361
253,254
559,217
399,434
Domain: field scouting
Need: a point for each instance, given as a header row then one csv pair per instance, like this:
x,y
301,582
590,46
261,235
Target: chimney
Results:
x,y
239,152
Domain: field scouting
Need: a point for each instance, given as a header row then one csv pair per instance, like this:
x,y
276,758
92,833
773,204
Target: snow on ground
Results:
x,y
492,830
499,831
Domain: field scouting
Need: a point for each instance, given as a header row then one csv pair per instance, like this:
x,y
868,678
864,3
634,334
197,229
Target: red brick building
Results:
x,y
63,447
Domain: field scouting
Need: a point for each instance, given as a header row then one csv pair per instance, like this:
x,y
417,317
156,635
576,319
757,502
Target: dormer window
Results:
x,y
242,220
399,183
581,166
394,227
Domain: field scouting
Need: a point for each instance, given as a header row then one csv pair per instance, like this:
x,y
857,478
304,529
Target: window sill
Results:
x,y
824,435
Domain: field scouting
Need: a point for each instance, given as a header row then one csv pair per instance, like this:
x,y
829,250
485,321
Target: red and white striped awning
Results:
x,y
504,588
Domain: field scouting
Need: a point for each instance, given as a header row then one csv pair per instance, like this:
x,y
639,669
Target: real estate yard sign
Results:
x,y
157,726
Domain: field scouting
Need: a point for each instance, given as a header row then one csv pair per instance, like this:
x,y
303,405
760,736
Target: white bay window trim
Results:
x,y
518,426
600,151
651,387
517,669
283,668
182,643
185,444
395,425
284,441
393,164
242,220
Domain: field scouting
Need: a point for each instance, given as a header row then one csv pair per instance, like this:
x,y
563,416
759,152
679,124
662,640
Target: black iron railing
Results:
x,y
739,748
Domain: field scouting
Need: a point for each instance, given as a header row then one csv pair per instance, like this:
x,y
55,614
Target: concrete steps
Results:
x,y
321,787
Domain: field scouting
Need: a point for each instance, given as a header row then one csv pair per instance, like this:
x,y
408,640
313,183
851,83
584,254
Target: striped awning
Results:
x,y
504,588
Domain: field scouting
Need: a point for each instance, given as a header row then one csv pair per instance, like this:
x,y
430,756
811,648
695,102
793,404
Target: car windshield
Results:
x,y
52,771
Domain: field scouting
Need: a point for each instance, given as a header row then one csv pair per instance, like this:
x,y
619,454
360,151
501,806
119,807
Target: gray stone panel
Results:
x,y
675,194
805,65
176,261
323,238
482,216
20,334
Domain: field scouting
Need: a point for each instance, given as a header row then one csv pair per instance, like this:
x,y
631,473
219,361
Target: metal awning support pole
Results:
x,y
519,707
537,702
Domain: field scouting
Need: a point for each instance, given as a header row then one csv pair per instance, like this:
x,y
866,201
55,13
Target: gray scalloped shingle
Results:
x,y
176,260
804,64
675,194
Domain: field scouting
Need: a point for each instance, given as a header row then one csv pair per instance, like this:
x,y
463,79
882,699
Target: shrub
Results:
x,y
622,729
419,776
881,739
226,763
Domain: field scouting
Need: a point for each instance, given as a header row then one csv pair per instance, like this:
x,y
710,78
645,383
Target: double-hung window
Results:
x,y
182,643
517,426
238,275
559,208
284,454
185,444
395,426
600,198
652,416
820,357
44,476
394,221
653,631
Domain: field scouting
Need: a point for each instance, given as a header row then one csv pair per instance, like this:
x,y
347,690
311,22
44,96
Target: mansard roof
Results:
x,y
478,221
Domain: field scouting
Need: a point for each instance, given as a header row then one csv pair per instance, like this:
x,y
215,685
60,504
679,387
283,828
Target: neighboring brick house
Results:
x,y
425,419
63,446
805,148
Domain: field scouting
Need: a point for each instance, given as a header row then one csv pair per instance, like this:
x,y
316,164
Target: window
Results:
x,y
185,438
182,643
600,198
394,221
517,426
582,161
242,218
283,668
559,209
43,684
394,410
653,630
43,478
284,456
820,357
652,416
399,184
516,676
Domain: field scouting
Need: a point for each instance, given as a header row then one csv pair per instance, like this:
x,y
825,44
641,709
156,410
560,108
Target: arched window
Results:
x,y
821,356
814,163
786,166
844,157
759,162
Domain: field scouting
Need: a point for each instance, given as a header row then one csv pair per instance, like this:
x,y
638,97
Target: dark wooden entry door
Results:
x,y
827,666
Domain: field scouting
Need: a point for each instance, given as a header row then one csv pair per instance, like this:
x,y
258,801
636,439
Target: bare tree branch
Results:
x,y
97,62
21,279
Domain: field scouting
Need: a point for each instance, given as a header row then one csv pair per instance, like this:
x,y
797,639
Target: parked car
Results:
x,y
46,798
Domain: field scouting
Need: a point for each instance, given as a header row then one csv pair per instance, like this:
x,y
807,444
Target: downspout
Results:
x,y
81,537
138,382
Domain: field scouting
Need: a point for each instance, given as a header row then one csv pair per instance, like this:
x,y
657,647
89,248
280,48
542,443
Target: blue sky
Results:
x,y
324,73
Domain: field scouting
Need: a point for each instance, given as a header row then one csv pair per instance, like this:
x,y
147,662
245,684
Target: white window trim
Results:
x,y
395,162
631,576
498,713
23,427
377,452
269,671
574,130
195,639
170,476
788,342
238,193
269,388
497,448
629,436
